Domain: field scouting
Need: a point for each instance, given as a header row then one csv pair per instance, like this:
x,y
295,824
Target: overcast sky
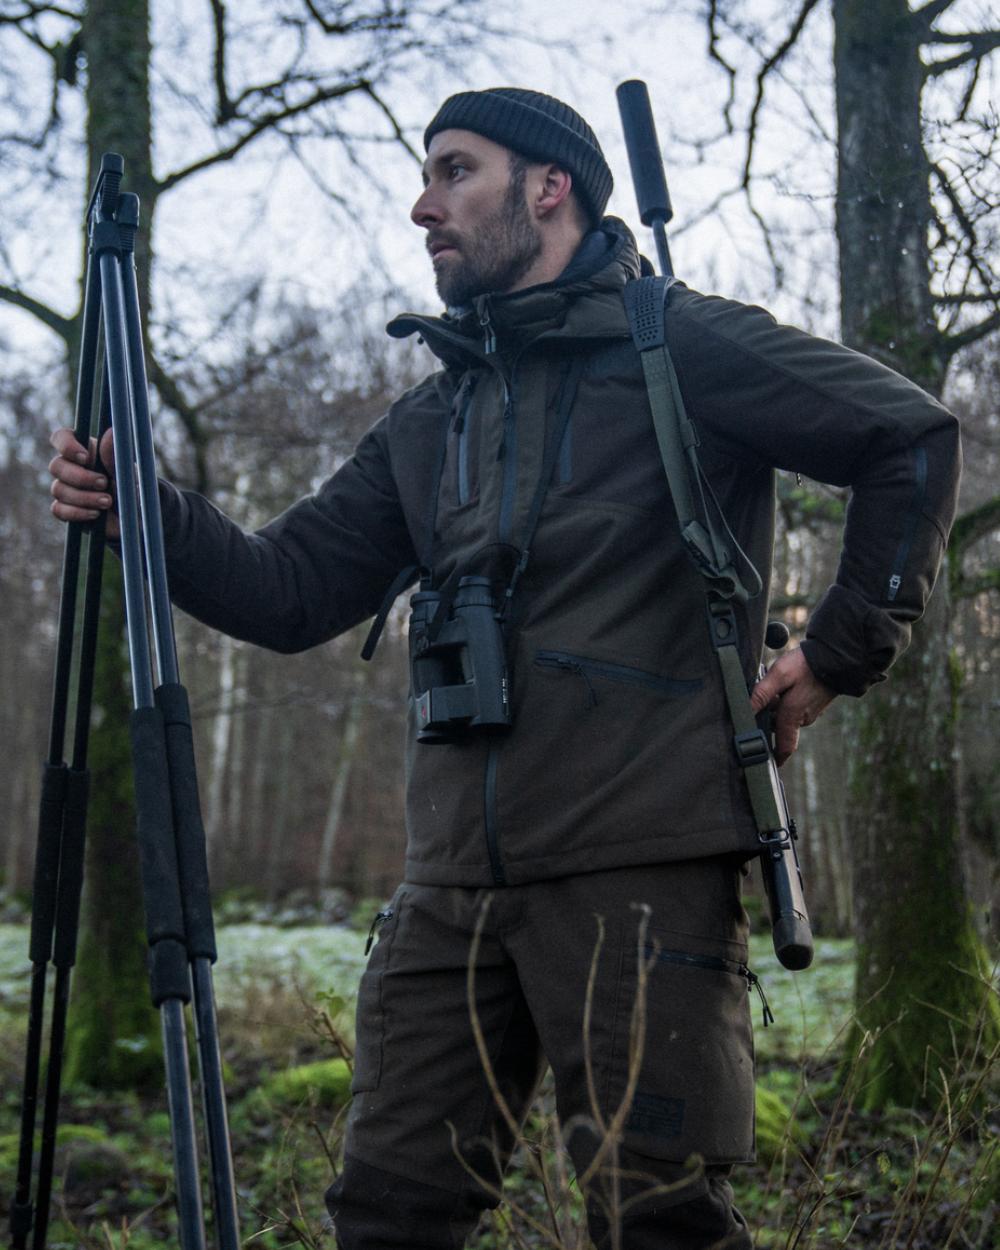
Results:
x,y
265,213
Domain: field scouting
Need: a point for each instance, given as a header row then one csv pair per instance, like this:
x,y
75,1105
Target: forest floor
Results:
x,y
828,1174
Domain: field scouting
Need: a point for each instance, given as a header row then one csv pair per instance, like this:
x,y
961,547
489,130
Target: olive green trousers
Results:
x,y
631,984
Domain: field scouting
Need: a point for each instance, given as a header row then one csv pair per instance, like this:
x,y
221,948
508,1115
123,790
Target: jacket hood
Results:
x,y
585,301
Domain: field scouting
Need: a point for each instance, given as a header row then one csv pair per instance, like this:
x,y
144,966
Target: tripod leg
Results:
x,y
169,976
193,869
48,912
189,833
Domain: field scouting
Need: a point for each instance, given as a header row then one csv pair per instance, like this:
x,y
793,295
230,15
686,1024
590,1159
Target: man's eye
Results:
x,y
455,170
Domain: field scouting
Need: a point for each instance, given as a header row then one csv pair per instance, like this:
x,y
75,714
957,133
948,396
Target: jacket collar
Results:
x,y
584,302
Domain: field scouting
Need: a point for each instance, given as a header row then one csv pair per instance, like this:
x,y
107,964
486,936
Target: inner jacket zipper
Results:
x,y
507,450
587,668
715,963
461,428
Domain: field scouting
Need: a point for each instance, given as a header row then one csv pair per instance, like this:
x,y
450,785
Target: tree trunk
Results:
x,y
113,1039
920,986
353,716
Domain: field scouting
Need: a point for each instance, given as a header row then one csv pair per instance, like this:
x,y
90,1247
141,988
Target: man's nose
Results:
x,y
426,211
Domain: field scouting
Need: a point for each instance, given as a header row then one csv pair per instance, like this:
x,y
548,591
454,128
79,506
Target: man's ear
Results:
x,y
553,190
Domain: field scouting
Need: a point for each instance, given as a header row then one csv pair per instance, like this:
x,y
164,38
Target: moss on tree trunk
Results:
x,y
113,1038
113,1041
922,996
925,1007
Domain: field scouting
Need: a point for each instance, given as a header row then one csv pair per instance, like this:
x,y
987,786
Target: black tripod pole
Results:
x,y
169,979
61,824
170,836
172,701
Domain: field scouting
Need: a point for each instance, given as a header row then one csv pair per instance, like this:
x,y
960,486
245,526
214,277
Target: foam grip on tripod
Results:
x,y
793,941
169,974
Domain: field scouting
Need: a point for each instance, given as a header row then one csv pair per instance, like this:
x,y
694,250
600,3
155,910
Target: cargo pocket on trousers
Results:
x,y
695,1089
369,1028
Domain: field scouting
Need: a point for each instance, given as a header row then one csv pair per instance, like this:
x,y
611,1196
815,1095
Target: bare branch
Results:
x,y
63,326
974,525
715,55
969,529
267,121
979,44
391,118
189,417
970,92
952,343
224,109
925,17
37,10
968,229
367,22
966,297
776,57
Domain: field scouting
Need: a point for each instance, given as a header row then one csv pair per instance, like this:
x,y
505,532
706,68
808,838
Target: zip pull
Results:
x,y
489,337
380,918
753,983
573,666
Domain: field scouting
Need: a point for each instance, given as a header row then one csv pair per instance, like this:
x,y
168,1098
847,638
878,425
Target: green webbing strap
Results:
x,y
678,441
749,741
701,534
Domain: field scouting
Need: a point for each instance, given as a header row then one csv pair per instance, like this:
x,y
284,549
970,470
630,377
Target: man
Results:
x,y
589,858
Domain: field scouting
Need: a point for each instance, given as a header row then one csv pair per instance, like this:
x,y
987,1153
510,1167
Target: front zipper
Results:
x,y
565,471
715,963
588,669
490,815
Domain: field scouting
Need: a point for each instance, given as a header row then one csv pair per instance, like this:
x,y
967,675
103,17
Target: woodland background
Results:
x,y
835,160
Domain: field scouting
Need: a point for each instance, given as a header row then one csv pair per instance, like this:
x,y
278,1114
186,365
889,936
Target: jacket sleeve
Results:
x,y
318,569
774,395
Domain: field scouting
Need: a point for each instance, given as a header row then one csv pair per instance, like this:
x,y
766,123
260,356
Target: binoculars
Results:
x,y
458,667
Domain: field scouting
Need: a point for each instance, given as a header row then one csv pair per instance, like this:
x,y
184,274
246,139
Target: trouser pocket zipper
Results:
x,y
380,919
715,963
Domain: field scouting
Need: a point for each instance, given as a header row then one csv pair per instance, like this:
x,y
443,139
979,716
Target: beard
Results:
x,y
501,252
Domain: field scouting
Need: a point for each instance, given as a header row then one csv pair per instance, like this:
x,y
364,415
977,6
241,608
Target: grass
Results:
x,y
828,1177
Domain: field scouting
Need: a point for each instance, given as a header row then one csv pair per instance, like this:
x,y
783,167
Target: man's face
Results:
x,y
480,232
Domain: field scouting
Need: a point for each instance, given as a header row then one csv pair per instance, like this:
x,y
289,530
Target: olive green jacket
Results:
x,y
620,751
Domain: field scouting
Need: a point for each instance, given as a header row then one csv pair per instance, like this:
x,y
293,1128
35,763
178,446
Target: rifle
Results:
x,y
170,834
752,737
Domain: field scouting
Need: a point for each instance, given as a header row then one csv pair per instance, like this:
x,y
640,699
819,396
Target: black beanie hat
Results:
x,y
535,125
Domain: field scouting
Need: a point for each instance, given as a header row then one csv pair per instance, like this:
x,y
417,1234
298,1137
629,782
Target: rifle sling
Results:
x,y
645,300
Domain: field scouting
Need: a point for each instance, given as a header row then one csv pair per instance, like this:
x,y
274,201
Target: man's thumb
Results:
x,y
106,452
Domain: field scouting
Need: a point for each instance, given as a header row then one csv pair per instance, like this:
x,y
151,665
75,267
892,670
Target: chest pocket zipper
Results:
x,y
589,670
461,429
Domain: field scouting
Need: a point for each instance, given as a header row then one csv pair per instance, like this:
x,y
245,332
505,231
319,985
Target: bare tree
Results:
x,y
917,221
284,77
